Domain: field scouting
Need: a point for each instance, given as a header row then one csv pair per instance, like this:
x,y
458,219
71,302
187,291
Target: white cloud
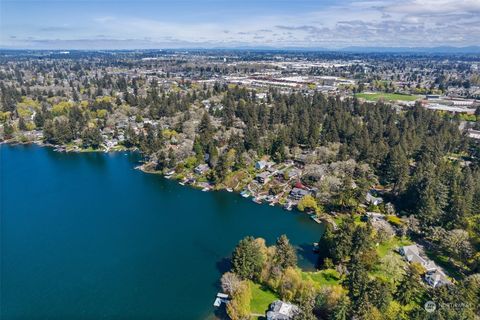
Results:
x,y
351,22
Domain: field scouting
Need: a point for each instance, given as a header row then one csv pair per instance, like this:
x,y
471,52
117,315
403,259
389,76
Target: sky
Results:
x,y
145,24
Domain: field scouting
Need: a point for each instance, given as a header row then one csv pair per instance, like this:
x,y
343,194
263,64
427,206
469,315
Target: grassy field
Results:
x,y
391,245
328,277
386,96
261,298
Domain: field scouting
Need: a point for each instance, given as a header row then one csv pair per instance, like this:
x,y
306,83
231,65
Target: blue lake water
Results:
x,y
86,236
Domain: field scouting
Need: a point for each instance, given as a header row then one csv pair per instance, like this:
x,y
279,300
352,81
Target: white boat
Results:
x,y
229,189
257,200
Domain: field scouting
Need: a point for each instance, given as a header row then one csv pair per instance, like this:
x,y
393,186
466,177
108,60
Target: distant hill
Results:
x,y
442,49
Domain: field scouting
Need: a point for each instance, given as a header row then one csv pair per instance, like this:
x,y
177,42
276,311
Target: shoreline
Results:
x,y
322,220
149,168
65,148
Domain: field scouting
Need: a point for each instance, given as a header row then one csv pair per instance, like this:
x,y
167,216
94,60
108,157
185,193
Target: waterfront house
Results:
x,y
201,168
298,193
263,177
280,310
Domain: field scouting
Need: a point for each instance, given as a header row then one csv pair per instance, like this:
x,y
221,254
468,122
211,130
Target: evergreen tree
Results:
x,y
92,137
410,287
285,255
396,169
342,309
248,259
21,124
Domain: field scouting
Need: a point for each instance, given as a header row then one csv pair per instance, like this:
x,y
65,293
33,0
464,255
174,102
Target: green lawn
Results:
x,y
386,96
327,277
261,298
391,245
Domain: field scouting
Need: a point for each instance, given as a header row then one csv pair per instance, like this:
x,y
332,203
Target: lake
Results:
x,y
86,236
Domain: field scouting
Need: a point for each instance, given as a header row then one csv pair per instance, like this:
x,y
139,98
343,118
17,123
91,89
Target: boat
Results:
x,y
182,183
245,194
206,189
257,200
229,189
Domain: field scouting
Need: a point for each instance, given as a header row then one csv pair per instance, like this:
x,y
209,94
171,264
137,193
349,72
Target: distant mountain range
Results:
x,y
351,49
359,49
442,49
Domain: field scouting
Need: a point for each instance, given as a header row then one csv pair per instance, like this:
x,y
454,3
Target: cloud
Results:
x,y
345,22
428,7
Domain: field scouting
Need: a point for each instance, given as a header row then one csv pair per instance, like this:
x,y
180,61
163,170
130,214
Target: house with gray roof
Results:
x,y
298,193
263,177
201,168
412,254
280,310
437,278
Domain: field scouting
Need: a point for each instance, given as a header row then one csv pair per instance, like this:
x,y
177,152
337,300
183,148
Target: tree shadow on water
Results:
x,y
223,265
305,251
221,312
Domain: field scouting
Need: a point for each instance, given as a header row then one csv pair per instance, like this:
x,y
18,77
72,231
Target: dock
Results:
x,y
315,218
221,298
